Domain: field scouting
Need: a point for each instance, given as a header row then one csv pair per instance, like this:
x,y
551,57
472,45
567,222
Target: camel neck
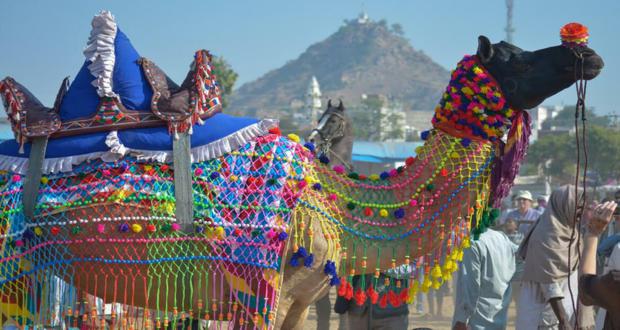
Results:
x,y
473,104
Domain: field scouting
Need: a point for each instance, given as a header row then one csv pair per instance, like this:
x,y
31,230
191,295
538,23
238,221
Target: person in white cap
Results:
x,y
524,215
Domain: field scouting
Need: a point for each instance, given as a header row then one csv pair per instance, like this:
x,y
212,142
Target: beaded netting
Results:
x,y
420,214
108,230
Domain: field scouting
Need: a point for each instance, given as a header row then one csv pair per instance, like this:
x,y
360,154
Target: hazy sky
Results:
x,y
41,41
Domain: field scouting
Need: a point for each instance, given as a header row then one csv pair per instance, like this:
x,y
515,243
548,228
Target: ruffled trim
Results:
x,y
199,154
117,151
100,52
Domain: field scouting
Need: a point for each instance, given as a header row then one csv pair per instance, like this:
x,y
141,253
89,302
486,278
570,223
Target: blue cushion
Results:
x,y
155,138
128,82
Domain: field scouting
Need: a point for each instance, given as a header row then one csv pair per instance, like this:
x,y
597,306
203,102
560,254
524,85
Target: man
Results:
x,y
524,215
483,287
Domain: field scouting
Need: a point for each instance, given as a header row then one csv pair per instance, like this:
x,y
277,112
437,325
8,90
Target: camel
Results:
x,y
263,225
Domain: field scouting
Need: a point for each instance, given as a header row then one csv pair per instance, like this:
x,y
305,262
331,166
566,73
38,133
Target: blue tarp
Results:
x,y
383,152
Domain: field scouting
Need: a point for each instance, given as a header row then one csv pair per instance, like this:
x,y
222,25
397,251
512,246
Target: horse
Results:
x,y
333,136
148,196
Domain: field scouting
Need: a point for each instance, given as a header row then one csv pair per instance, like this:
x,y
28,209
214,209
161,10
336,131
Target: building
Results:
x,y
375,157
313,107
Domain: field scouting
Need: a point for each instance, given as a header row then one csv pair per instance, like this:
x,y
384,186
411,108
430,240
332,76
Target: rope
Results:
x,y
580,204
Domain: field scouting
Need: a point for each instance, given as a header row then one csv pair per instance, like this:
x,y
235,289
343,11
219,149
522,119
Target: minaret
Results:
x,y
509,29
313,100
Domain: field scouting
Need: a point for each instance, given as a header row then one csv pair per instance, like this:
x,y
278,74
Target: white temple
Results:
x,y
313,101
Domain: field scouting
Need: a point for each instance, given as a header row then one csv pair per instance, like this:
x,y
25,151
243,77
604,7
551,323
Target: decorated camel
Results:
x,y
140,192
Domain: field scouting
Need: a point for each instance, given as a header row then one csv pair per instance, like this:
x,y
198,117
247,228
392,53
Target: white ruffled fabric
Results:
x,y
118,150
100,51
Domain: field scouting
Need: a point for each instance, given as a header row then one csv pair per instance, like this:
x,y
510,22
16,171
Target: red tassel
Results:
x,y
404,295
383,301
342,289
372,294
393,298
349,293
360,297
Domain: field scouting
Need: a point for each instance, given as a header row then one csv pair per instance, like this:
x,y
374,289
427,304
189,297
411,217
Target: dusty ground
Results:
x,y
416,320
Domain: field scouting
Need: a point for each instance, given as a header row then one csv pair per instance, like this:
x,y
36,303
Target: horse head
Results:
x,y
527,78
332,126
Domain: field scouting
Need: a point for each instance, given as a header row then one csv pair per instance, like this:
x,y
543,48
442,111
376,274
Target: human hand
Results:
x,y
600,218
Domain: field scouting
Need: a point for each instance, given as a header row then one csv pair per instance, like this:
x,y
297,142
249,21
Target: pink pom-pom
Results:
x,y
413,202
175,227
198,172
19,243
106,172
393,172
333,197
339,168
16,178
302,184
100,228
271,234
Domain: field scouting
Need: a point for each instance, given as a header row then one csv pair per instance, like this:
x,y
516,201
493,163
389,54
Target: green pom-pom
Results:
x,y
271,182
354,175
76,230
166,227
430,186
400,169
350,205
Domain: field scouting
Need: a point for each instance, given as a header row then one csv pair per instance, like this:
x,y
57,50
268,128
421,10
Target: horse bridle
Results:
x,y
326,140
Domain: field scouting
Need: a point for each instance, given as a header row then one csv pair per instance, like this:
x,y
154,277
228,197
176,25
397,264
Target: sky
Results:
x,y
41,42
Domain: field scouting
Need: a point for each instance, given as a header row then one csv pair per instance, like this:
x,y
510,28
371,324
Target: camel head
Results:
x,y
527,78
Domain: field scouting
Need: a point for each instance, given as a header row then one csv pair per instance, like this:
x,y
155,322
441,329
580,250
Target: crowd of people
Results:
x,y
557,259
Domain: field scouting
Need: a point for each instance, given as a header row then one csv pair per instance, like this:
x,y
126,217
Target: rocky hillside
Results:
x,y
360,58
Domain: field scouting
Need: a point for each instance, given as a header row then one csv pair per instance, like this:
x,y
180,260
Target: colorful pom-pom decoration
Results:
x,y
574,35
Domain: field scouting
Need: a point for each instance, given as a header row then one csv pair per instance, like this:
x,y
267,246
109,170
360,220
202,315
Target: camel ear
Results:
x,y
485,49
329,103
340,106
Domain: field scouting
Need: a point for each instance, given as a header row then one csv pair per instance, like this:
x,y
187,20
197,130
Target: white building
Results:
x,y
313,106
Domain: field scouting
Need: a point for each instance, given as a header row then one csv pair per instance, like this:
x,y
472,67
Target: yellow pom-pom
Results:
x,y
136,228
310,180
466,243
455,154
436,272
45,180
232,178
436,284
294,137
460,256
418,150
38,231
411,295
447,277
220,232
383,212
426,285
374,177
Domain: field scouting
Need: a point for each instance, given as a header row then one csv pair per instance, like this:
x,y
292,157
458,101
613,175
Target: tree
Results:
x,y
398,29
558,156
226,78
